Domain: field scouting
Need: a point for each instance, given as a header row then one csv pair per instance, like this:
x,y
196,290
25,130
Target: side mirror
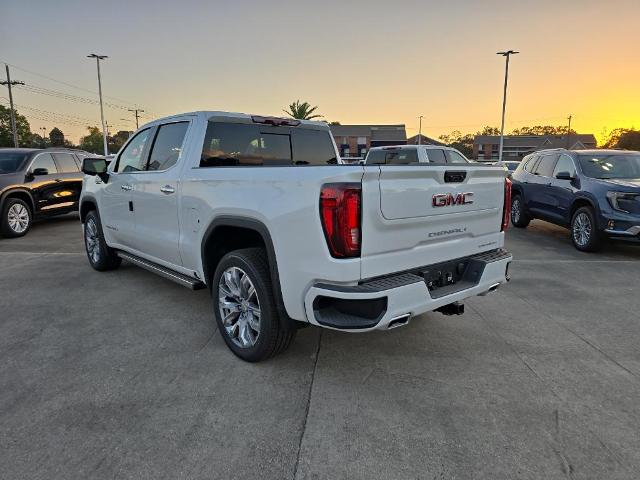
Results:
x,y
96,166
564,176
39,171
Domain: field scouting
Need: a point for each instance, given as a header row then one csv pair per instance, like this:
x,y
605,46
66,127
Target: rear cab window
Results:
x,y
250,145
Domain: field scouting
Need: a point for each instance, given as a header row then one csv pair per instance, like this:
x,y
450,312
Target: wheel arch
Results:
x,y
87,204
227,233
21,193
580,202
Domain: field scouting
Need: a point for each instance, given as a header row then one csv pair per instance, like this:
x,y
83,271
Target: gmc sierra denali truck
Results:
x,y
262,211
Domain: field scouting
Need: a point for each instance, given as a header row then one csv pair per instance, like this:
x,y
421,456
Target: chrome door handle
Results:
x,y
126,188
167,189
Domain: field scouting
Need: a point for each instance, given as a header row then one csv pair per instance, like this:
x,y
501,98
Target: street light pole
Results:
x,y
44,136
104,128
506,54
420,131
569,132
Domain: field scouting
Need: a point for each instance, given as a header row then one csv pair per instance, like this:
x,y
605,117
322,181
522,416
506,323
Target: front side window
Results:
x,y
546,165
167,146
436,156
606,166
133,158
455,157
565,164
66,162
44,160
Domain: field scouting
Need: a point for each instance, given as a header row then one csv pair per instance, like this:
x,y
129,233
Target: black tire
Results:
x,y
16,218
519,217
584,233
274,334
102,257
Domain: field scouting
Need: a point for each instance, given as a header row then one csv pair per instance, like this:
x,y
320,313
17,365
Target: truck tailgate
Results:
x,y
418,215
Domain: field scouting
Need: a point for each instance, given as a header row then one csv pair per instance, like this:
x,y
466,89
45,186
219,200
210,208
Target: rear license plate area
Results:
x,y
450,273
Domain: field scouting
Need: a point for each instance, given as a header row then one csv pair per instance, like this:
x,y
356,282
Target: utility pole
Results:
x,y
44,136
506,54
420,131
569,131
8,83
136,112
104,128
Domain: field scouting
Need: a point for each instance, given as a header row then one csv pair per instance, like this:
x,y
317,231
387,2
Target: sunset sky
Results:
x,y
359,61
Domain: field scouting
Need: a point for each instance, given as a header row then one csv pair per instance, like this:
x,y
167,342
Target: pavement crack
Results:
x,y
308,405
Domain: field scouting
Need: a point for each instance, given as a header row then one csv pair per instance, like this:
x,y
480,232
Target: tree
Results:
x,y
302,111
6,134
464,143
57,137
624,139
93,142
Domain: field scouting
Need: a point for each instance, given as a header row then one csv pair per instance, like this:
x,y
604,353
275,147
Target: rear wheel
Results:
x,y
16,218
245,308
584,234
100,256
518,216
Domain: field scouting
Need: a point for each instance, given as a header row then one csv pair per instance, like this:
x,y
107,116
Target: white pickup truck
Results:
x,y
262,211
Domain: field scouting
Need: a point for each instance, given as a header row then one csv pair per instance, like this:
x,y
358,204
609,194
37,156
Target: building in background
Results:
x,y
424,140
354,141
486,147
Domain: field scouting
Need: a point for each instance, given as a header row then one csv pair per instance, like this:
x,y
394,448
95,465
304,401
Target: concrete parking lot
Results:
x,y
123,375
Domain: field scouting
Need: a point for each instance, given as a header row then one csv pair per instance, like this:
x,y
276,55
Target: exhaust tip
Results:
x,y
399,321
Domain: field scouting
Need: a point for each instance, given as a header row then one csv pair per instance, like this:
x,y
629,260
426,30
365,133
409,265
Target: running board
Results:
x,y
179,278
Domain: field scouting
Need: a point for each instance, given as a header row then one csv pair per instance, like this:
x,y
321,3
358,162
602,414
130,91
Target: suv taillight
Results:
x,y
340,216
506,210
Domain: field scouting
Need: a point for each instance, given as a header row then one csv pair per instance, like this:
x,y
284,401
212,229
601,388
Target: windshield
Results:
x,y
10,162
606,166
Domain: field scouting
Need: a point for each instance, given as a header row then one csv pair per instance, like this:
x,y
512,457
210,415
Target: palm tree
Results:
x,y
302,111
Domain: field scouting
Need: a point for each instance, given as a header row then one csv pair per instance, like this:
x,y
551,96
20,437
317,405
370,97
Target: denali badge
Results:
x,y
447,199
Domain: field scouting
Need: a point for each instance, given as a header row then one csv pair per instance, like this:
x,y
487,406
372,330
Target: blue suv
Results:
x,y
595,193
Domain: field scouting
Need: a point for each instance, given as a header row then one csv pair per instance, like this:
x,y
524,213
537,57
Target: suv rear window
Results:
x,y
236,144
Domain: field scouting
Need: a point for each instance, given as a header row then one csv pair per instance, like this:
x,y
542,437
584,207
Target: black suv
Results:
x,y
36,183
595,193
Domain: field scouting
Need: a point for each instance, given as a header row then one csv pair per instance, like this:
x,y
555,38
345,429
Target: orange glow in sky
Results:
x,y
360,61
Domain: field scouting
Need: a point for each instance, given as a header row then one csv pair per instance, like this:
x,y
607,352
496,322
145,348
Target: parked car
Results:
x,y
509,165
37,183
596,193
258,209
407,154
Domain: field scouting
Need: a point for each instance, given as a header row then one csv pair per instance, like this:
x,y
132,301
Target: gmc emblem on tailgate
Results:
x,y
447,199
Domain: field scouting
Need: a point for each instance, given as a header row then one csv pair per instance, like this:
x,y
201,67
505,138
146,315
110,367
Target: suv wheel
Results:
x,y
16,218
518,217
100,256
245,308
584,234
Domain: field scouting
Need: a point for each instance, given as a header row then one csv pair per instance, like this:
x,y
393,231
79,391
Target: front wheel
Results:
x,y
245,308
518,216
584,234
16,218
100,256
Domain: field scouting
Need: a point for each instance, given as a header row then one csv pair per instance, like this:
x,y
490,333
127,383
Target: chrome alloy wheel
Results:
x,y
239,307
91,240
582,229
18,217
515,210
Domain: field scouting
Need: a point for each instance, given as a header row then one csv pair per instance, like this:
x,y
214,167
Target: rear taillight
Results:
x,y
506,210
340,215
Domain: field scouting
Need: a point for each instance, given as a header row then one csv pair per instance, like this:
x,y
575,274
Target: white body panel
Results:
x,y
169,229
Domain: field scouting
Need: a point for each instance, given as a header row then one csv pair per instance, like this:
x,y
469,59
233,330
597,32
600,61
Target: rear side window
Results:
x,y
167,146
546,165
375,157
531,164
436,156
44,160
236,144
66,162
401,157
313,147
